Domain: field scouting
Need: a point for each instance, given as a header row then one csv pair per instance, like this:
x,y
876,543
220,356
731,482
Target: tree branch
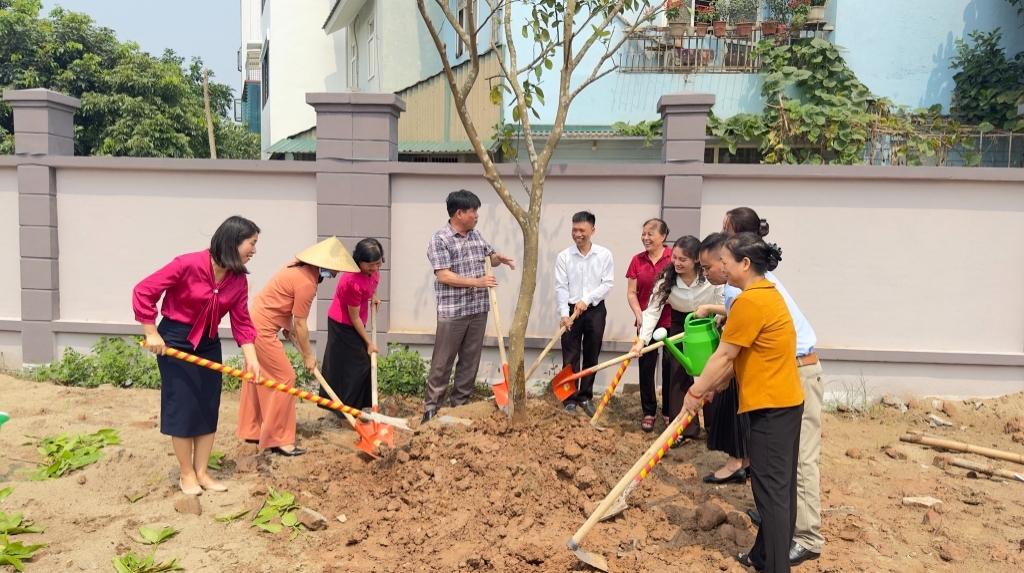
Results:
x,y
517,88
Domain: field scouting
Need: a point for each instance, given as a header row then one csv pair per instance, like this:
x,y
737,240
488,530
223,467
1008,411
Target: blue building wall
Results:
x,y
900,49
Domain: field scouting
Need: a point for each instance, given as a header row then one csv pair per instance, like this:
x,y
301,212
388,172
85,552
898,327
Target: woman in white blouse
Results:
x,y
683,287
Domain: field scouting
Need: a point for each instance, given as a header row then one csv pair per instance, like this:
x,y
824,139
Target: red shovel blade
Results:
x,y
564,384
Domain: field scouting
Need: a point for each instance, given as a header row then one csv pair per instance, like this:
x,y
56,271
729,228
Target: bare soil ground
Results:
x,y
489,496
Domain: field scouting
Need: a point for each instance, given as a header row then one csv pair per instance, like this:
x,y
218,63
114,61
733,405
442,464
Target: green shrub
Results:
x,y
402,372
112,361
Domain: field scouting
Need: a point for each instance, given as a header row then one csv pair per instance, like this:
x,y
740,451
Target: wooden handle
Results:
x,y
497,319
543,353
942,461
625,481
962,447
327,388
373,357
621,359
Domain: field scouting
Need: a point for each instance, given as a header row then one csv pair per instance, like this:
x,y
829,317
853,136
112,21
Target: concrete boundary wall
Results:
x,y
884,261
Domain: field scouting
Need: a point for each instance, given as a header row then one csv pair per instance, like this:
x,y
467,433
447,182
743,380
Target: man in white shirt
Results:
x,y
584,275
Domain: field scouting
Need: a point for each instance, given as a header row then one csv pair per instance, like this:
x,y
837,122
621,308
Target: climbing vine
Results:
x,y
817,111
988,83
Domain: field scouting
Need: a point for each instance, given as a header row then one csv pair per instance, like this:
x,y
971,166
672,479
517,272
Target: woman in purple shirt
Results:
x,y
349,346
198,290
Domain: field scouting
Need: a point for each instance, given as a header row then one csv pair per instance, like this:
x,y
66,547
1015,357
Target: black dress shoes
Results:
x,y
428,416
588,408
295,451
738,476
755,517
797,554
744,559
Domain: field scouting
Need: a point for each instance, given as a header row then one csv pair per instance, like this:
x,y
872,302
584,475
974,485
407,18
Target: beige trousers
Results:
x,y
808,500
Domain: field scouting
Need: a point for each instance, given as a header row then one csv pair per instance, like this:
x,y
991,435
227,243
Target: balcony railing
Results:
x,y
659,50
252,66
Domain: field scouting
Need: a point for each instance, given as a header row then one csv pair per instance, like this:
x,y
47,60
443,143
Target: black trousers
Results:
x,y
584,341
648,368
774,445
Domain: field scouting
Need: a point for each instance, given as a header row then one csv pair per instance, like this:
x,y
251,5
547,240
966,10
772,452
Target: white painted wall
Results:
x,y
302,59
127,224
10,255
251,31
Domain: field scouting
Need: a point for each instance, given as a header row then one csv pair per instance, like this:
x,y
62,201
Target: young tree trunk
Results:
x,y
521,318
209,115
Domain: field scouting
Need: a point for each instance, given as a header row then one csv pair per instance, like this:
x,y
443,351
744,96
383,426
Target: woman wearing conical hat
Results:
x,y
349,346
265,416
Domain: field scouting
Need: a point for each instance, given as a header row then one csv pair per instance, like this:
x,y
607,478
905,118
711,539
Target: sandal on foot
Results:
x,y
647,424
666,420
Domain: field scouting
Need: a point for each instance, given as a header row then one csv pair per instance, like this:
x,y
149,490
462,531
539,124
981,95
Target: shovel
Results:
x,y
547,348
369,442
290,390
640,469
566,379
382,431
500,389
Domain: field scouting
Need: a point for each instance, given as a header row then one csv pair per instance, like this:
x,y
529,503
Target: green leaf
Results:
x,y
985,127
215,461
270,527
154,537
289,519
6,492
134,498
231,516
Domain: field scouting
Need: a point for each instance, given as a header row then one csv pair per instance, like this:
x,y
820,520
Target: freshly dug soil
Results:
x,y
490,496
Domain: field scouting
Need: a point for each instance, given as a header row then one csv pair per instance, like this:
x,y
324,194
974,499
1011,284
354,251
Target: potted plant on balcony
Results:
x,y
817,11
798,9
743,14
776,12
704,17
678,17
721,22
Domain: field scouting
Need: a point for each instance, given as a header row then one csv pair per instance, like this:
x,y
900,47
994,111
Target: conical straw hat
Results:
x,y
329,254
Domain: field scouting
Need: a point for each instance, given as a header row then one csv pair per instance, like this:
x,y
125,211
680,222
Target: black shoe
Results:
x,y
744,559
588,408
295,451
571,408
797,554
428,416
755,517
738,476
252,441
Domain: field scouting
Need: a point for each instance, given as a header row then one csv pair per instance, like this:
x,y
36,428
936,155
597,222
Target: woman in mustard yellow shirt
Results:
x,y
759,343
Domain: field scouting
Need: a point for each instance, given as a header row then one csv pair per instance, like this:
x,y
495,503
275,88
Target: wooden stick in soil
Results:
x,y
209,114
962,447
943,461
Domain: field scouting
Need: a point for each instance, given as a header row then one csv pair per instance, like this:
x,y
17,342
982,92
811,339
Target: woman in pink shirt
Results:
x,y
198,289
349,347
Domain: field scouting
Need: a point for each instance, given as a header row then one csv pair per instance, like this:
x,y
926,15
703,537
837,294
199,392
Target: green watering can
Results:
x,y
698,344
4,416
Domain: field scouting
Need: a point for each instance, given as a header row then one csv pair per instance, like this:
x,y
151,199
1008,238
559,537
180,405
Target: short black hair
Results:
x,y
713,243
369,250
662,226
763,256
585,217
226,240
461,200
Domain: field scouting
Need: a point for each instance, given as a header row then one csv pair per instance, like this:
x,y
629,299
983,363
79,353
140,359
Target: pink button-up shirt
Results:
x,y
354,289
192,297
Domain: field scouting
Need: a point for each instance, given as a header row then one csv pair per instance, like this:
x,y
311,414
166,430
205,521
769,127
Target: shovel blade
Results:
x,y
563,384
618,507
594,560
501,389
368,440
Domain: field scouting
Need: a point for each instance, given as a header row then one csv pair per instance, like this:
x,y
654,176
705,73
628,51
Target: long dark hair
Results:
x,y
226,240
690,246
763,256
745,220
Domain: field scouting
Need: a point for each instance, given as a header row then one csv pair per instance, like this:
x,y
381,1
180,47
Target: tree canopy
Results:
x,y
133,104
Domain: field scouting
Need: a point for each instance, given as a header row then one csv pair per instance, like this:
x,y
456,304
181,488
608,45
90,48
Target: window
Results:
x,y
266,74
353,59
460,12
371,50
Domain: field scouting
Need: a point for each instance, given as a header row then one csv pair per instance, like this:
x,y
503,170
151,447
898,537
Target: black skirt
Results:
x,y
680,381
189,394
347,366
727,431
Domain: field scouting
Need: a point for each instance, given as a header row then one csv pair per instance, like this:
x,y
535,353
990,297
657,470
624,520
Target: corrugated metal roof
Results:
x,y
289,145
572,131
440,146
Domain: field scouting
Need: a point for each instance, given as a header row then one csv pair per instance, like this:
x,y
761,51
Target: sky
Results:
x,y
205,28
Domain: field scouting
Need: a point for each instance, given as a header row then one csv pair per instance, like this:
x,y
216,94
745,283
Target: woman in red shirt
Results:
x,y
198,289
349,347
642,273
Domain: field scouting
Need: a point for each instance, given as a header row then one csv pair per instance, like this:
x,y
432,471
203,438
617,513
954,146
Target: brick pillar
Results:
x,y
684,117
43,125
352,127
